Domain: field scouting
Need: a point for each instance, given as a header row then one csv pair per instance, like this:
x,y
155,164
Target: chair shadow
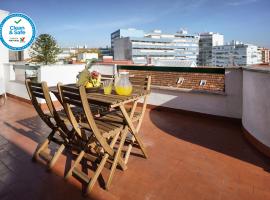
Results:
x,y
38,131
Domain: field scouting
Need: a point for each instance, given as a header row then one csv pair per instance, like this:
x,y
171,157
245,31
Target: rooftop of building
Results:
x,y
202,158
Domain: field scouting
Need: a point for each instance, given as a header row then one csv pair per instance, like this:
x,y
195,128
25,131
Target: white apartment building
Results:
x,y
235,54
66,53
265,53
206,43
87,56
157,46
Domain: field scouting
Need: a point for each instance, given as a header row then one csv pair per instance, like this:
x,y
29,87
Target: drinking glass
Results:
x,y
107,87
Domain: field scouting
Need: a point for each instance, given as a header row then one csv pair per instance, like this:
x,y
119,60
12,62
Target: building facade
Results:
x,y
83,57
157,46
122,33
206,43
105,51
235,54
265,53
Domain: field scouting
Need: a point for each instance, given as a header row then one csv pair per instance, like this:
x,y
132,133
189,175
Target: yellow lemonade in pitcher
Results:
x,y
123,90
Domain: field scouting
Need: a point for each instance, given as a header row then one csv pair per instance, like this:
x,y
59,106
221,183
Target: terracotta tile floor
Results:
x,y
191,157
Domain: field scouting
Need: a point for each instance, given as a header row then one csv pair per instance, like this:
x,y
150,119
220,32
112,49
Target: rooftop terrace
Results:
x,y
205,144
202,158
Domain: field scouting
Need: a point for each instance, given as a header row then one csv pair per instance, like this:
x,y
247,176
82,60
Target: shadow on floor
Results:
x,y
35,129
218,134
21,178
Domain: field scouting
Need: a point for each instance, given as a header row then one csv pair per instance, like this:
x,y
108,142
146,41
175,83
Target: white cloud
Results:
x,y
241,2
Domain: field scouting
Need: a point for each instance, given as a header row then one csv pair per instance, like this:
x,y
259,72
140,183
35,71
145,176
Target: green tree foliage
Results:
x,y
44,50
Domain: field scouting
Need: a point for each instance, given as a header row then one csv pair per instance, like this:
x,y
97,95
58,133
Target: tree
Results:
x,y
44,50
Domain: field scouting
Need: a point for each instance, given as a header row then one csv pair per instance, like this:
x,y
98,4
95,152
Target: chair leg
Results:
x,y
40,148
120,160
97,173
56,156
116,159
128,151
77,161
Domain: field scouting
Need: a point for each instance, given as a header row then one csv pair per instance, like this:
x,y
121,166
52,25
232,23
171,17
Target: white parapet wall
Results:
x,y
256,103
105,69
16,88
66,74
228,104
4,56
13,79
53,74
2,80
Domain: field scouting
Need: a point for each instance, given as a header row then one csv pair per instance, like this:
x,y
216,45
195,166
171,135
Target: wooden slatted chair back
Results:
x,y
141,82
74,96
106,77
91,121
145,84
70,96
36,91
41,90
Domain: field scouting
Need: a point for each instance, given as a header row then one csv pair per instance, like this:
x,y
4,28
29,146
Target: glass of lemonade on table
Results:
x,y
107,87
123,85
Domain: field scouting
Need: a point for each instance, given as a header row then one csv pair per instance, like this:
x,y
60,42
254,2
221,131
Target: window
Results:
x,y
180,80
202,82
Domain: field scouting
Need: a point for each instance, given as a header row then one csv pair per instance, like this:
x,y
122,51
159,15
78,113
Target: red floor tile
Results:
x,y
190,157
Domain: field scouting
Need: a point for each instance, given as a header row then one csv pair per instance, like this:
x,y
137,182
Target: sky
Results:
x,y
80,22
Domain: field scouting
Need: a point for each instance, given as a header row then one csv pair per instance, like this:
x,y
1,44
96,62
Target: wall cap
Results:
x,y
257,69
185,90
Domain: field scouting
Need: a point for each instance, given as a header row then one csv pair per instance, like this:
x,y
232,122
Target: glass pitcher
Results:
x,y
123,86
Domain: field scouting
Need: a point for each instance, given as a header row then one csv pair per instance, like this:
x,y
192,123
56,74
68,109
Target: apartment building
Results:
x,y
235,54
122,33
83,57
105,51
206,43
157,46
265,53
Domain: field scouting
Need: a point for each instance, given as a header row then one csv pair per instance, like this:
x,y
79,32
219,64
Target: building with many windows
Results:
x,y
235,54
206,43
265,55
122,33
157,46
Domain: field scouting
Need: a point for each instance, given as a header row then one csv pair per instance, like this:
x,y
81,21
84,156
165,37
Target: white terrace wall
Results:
x,y
4,57
53,74
13,87
66,74
256,103
228,104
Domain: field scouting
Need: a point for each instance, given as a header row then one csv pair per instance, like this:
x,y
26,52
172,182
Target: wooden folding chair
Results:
x,y
99,136
56,120
137,114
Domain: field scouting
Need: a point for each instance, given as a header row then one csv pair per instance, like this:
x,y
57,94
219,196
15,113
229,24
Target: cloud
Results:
x,y
241,2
